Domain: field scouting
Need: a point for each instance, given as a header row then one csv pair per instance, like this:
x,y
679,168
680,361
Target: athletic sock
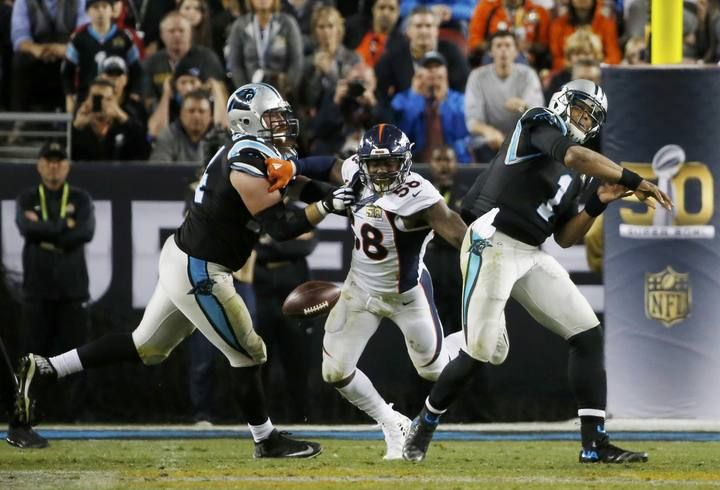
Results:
x,y
262,431
451,381
361,393
592,427
108,349
67,363
252,396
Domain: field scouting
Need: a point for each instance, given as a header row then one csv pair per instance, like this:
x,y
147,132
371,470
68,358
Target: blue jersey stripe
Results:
x,y
472,272
210,306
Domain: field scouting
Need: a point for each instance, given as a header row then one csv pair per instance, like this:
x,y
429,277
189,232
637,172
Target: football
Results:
x,y
311,299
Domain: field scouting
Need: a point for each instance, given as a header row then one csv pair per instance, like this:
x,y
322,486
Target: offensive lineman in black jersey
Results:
x,y
231,207
531,191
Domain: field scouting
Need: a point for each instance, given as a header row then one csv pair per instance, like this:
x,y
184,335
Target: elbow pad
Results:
x,y
283,223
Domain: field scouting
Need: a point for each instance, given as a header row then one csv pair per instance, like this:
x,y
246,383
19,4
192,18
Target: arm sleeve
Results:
x,y
20,30
283,223
315,167
84,226
35,230
550,141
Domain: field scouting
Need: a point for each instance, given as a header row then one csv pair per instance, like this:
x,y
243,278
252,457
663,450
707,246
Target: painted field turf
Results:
x,y
228,463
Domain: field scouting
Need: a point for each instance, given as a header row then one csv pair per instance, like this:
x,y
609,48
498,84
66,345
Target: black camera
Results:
x,y
356,88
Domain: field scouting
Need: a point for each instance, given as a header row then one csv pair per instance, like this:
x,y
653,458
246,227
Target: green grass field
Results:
x,y
228,463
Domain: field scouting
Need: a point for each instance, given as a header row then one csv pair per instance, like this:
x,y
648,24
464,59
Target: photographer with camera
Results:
x,y
103,131
344,116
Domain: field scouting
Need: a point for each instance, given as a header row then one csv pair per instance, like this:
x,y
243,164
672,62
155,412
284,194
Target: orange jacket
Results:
x,y
605,27
491,16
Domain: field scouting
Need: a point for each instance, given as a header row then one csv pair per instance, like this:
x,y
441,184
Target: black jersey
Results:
x,y
218,227
87,50
528,181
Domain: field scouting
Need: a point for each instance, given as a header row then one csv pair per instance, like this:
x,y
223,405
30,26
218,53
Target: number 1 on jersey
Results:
x,y
546,209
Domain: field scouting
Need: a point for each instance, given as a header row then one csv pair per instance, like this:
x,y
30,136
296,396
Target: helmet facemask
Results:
x,y
584,117
387,179
279,126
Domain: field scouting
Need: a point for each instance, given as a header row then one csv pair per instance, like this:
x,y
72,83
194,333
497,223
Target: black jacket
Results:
x,y
54,253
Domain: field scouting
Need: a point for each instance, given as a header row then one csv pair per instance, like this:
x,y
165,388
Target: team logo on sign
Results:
x,y
668,296
689,184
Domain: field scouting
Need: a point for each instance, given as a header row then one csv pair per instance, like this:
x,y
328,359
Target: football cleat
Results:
x,y
34,372
395,433
24,437
609,453
278,445
418,438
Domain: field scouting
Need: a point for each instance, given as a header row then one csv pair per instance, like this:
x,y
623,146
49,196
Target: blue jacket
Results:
x,y
409,107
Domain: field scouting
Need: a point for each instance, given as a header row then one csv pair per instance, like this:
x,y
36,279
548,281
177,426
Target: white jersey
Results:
x,y
387,256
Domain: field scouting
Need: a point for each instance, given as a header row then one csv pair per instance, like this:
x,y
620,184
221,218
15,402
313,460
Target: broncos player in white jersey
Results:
x,y
231,207
394,216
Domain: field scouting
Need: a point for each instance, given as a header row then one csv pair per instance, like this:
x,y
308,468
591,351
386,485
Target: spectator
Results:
x,y
441,258
186,78
368,35
280,268
152,12
56,220
431,114
103,131
196,12
582,45
583,13
176,34
302,11
528,21
635,52
123,17
497,95
114,69
182,140
330,61
90,45
265,45
396,67
40,33
345,115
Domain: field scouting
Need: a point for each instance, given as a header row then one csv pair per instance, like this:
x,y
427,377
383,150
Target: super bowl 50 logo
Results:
x,y
691,187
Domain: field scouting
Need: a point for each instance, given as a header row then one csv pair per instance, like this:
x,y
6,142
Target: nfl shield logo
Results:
x,y
668,296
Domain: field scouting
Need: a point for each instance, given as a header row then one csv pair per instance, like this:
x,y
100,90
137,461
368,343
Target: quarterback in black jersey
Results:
x,y
531,191
231,207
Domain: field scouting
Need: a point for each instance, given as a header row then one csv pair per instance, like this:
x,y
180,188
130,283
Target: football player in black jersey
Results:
x,y
530,192
231,207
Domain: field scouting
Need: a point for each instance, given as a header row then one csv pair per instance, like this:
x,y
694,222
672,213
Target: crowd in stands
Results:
x,y
149,78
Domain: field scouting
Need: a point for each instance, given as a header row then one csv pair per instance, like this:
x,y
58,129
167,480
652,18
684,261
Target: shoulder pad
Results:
x,y
349,168
415,195
541,115
248,155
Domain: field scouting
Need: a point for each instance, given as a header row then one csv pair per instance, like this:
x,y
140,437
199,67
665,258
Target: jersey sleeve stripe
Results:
x,y
246,169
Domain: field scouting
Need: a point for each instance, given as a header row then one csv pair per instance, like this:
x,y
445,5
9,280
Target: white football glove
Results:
x,y
338,201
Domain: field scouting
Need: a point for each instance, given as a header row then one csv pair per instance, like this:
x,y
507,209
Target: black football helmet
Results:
x,y
384,143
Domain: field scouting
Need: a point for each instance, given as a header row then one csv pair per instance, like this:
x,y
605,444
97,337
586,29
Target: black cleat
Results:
x,y
24,437
609,453
278,445
418,438
34,372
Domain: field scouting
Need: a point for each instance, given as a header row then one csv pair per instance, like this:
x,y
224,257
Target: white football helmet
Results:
x,y
258,109
590,98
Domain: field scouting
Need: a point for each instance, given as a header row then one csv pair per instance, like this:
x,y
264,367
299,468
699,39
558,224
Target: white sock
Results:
x,y
361,393
67,363
261,432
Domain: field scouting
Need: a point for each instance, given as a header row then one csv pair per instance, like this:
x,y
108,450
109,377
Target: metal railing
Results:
x,y
23,133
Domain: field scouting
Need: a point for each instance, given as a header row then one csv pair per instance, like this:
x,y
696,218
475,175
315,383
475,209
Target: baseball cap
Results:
x,y
52,150
113,66
187,66
433,58
89,3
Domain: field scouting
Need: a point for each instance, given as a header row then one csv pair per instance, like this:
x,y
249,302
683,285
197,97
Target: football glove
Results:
x,y
279,173
338,201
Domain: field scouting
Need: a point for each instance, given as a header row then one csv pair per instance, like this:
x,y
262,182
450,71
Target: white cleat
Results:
x,y
395,433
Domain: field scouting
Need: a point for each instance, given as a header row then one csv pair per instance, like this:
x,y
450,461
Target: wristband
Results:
x,y
321,208
594,206
629,179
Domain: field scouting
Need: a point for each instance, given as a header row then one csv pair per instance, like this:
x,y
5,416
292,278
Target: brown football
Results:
x,y
311,299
